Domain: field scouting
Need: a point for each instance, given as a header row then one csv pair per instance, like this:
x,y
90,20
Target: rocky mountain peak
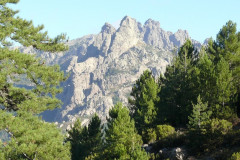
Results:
x,y
128,21
152,24
105,66
181,32
179,37
128,34
108,28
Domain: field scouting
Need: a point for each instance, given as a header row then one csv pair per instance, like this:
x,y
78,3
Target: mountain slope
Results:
x,y
103,67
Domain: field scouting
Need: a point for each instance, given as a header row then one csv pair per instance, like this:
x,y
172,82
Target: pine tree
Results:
x,y
16,66
200,114
30,137
85,141
143,105
121,139
214,83
227,42
227,47
94,135
78,137
177,94
204,78
228,39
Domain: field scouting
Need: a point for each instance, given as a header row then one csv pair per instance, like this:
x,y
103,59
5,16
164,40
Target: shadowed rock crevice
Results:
x,y
92,51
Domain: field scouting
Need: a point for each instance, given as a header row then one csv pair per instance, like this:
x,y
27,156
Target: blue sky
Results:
x,y
77,18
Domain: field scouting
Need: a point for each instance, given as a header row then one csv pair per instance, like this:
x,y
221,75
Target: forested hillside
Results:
x,y
189,112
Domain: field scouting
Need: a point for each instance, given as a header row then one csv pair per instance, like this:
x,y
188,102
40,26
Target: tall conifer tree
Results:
x,y
122,140
177,94
143,105
85,141
227,48
200,114
30,137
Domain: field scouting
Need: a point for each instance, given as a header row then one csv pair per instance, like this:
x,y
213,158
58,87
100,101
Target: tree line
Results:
x,y
198,93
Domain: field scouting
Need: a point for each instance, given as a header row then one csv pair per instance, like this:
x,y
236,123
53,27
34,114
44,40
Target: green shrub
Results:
x,y
216,126
210,137
235,156
164,131
225,112
172,141
155,156
151,135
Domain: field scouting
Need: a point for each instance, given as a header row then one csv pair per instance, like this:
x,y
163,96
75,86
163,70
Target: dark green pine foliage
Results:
x,y
226,49
143,102
94,135
227,44
213,82
30,137
16,66
176,85
85,141
78,138
121,138
224,90
228,40
200,115
203,78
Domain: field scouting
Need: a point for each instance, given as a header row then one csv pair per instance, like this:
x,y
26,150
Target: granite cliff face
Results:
x,y
104,67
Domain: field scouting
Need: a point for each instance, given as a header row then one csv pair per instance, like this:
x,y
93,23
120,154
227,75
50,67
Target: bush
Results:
x,y
210,137
151,135
235,156
223,112
172,141
164,131
233,138
216,126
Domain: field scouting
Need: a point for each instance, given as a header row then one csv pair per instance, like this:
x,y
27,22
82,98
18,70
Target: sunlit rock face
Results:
x,y
104,67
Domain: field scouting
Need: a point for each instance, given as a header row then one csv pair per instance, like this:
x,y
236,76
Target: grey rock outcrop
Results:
x,y
127,36
104,67
155,36
147,147
178,154
173,153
